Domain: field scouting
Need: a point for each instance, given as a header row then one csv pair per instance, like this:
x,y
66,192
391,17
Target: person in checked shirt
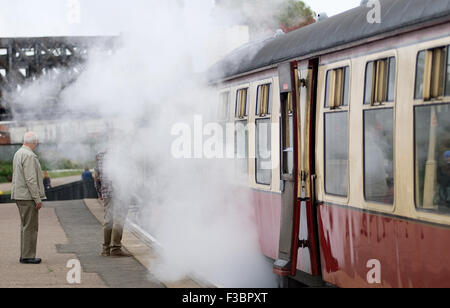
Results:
x,y
115,214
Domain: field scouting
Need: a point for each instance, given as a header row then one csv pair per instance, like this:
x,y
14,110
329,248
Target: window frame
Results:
x,y
447,74
364,154
247,143
428,70
245,120
262,117
389,208
237,105
426,215
257,152
376,82
417,75
226,117
416,204
329,197
330,89
269,103
347,112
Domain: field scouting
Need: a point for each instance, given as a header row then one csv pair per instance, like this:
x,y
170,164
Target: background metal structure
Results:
x,y
22,59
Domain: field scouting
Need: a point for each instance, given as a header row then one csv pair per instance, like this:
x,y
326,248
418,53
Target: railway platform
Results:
x,y
72,231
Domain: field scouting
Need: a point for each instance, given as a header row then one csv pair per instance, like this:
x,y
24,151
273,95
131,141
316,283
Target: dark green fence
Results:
x,y
73,191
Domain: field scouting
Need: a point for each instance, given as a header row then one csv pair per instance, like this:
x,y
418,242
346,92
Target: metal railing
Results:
x,y
73,191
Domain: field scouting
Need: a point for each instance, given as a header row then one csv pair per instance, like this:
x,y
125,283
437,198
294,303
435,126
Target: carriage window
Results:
x,y
391,80
241,145
420,70
431,74
346,86
369,82
287,138
263,152
447,86
263,103
327,89
224,107
432,155
379,155
263,135
380,81
241,104
337,87
336,153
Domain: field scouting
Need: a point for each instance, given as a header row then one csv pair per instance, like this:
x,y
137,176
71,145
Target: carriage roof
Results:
x,y
338,32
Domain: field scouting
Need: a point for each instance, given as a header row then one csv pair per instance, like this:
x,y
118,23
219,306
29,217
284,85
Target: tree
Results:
x,y
294,15
264,17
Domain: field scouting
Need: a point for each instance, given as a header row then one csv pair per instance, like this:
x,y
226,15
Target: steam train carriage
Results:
x,y
358,189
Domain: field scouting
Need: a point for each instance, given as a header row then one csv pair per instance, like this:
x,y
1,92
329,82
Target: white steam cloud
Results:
x,y
195,208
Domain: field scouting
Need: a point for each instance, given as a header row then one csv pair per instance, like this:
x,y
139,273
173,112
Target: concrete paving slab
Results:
x,y
144,252
85,235
52,272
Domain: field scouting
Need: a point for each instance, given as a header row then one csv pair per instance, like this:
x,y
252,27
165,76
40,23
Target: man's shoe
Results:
x,y
120,253
106,253
30,261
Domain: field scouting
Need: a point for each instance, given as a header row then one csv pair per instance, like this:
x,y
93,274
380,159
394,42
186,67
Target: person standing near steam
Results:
x,y
115,214
28,192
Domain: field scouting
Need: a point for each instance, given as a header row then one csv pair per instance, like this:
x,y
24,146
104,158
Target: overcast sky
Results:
x,y
332,7
97,17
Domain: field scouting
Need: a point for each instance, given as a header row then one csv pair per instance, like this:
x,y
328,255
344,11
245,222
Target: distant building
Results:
x,y
5,137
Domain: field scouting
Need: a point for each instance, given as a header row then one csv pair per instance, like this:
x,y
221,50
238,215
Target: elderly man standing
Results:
x,y
115,214
28,192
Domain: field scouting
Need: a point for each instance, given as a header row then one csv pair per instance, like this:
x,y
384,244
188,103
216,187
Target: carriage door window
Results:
x,y
379,131
241,130
287,122
336,131
263,135
432,147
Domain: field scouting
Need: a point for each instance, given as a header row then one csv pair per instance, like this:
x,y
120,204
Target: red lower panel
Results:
x,y
268,216
411,254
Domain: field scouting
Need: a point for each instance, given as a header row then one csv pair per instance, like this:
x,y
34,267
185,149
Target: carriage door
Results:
x,y
305,249
288,163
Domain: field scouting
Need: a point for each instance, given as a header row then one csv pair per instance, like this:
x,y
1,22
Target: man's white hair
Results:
x,y
30,138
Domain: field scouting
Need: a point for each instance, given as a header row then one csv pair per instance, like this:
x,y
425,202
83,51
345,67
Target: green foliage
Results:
x,y
62,164
65,164
6,171
55,175
294,15
270,15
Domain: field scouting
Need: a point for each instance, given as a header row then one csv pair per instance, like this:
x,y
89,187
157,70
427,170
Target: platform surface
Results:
x,y
72,230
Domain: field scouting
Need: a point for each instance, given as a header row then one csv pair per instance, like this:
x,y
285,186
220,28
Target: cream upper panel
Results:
x,y
406,57
405,120
275,139
320,133
252,87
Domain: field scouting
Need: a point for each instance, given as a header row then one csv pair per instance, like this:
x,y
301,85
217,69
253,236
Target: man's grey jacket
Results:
x,y
27,182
